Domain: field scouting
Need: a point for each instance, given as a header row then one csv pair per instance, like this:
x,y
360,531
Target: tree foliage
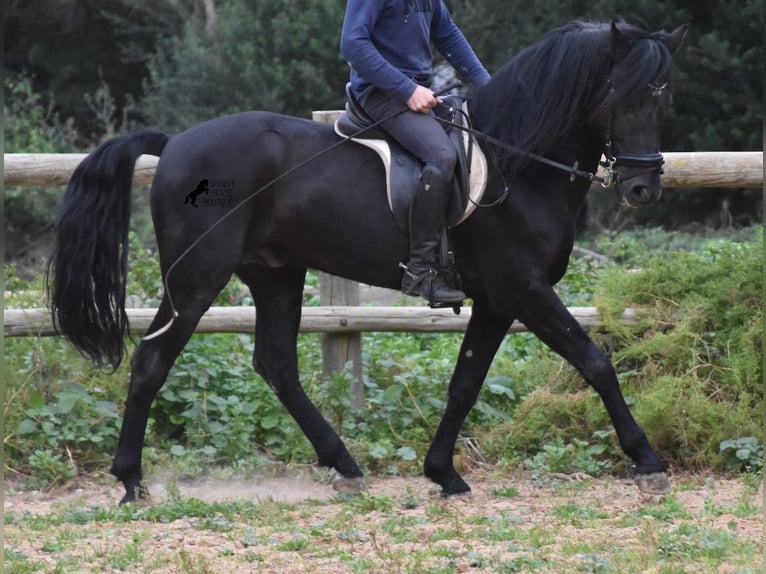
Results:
x,y
274,55
73,47
186,60
719,84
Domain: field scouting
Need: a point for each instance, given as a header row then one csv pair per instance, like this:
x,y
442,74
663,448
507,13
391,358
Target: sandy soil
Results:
x,y
535,506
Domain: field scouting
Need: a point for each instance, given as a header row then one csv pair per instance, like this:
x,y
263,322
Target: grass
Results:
x,y
602,526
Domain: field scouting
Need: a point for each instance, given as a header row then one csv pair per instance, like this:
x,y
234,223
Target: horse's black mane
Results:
x,y
560,81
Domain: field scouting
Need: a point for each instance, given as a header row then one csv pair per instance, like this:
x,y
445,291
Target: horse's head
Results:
x,y
639,96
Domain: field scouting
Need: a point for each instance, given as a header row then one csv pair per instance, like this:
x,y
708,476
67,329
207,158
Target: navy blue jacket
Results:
x,y
388,44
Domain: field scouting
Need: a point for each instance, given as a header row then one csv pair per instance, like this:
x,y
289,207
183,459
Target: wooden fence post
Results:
x,y
341,349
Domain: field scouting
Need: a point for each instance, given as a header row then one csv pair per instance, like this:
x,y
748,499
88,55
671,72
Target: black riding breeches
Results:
x,y
421,134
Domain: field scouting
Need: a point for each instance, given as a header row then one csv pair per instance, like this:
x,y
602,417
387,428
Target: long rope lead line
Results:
x,y
174,312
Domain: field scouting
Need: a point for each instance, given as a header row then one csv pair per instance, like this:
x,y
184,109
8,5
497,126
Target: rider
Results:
x,y
388,44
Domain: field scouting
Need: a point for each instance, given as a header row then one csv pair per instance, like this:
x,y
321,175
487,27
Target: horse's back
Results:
x,y
232,140
239,152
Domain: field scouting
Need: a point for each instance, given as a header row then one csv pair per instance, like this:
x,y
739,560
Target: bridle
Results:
x,y
652,162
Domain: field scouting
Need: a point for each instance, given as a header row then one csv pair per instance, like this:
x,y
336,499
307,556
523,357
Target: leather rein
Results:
x,y
651,161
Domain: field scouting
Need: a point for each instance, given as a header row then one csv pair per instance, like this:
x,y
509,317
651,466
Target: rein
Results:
x,y
572,170
652,161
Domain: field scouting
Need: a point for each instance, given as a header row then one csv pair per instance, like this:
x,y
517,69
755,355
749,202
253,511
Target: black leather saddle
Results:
x,y
403,169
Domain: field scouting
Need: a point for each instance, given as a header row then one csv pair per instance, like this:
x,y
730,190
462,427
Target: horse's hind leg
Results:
x,y
150,365
278,297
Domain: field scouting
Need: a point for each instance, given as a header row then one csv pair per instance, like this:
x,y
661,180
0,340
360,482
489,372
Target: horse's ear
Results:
x,y
676,37
619,43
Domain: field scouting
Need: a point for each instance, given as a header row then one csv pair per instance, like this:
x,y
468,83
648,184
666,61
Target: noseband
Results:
x,y
652,162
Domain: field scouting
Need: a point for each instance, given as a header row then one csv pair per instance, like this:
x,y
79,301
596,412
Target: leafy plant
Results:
x,y
214,403
744,453
47,469
74,418
569,458
692,357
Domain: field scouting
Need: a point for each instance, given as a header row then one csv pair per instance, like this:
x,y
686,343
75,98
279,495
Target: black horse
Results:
x,y
581,90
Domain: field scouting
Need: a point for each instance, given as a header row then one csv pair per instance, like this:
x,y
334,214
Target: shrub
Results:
x,y
691,367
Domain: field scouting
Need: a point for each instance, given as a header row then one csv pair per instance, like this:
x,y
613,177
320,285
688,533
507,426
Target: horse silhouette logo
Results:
x,y
200,189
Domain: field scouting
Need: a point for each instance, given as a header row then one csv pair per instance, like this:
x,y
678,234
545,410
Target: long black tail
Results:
x,y
87,272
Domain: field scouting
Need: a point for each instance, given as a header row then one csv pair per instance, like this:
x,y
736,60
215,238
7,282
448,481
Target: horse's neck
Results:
x,y
578,151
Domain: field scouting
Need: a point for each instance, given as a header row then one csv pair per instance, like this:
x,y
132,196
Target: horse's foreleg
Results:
x,y
548,318
483,336
278,297
150,365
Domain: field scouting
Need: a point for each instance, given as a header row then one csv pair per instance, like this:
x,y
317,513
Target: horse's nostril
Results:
x,y
643,195
640,193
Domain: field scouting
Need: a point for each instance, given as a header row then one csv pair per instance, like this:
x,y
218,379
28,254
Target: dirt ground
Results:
x,y
536,506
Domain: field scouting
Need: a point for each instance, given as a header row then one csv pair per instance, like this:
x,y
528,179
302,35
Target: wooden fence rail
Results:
x,y
37,321
682,169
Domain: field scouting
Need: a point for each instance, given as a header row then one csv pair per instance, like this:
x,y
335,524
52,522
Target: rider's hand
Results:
x,y
422,100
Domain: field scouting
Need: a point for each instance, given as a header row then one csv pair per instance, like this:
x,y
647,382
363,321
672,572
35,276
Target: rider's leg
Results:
x,y
427,213
424,137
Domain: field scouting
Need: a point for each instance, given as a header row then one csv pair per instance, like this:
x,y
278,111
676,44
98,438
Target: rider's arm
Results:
x,y
359,50
451,43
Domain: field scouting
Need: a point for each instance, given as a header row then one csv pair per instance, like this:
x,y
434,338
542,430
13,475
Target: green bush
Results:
x,y
214,404
691,367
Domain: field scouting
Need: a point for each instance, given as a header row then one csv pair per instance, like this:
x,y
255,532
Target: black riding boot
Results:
x,y
422,274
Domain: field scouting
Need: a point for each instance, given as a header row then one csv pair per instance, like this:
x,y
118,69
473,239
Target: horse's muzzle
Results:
x,y
640,195
639,178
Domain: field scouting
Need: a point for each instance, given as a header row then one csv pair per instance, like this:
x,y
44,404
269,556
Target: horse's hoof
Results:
x,y
136,495
351,486
457,495
654,483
